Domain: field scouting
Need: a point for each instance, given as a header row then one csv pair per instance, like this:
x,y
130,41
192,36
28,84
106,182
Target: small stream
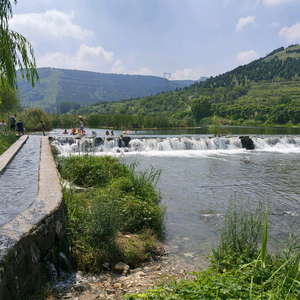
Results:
x,y
19,181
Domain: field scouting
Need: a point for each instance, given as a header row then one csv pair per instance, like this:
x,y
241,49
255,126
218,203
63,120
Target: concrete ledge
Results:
x,y
9,154
30,244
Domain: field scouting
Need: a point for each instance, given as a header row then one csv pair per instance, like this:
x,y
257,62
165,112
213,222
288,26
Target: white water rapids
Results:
x,y
176,145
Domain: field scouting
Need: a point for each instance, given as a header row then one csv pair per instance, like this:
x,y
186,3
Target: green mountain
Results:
x,y
83,87
265,82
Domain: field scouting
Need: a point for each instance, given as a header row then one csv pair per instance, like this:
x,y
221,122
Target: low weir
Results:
x,y
30,243
70,145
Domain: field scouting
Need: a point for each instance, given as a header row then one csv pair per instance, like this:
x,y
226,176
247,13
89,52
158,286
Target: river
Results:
x,y
201,174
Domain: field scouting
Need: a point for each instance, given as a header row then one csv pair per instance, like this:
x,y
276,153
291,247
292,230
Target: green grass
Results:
x,y
6,141
118,217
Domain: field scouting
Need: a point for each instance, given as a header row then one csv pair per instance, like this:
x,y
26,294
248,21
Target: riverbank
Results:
x,y
6,141
110,285
115,214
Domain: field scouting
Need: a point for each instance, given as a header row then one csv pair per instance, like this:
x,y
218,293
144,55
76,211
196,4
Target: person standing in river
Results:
x,y
43,127
81,126
13,122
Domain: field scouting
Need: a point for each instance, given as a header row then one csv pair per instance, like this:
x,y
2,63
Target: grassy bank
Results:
x,y
242,122
32,117
240,267
116,217
6,141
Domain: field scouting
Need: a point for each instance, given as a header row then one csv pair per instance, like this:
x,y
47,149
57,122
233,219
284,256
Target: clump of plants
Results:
x,y
32,117
6,141
240,266
216,127
118,217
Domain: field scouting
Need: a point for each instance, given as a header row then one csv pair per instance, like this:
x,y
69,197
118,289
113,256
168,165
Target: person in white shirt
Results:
x,y
3,126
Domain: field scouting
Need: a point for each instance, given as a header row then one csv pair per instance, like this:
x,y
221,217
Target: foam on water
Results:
x,y
174,146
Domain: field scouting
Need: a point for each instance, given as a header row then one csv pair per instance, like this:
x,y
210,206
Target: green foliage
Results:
x,y
7,140
16,52
240,235
65,106
132,122
120,201
201,108
216,127
10,101
85,87
253,275
4,144
32,117
64,121
90,170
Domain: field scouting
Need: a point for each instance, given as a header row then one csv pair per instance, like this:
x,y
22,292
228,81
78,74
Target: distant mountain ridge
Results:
x,y
84,87
264,82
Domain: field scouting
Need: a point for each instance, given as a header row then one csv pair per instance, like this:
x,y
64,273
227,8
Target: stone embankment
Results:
x,y
29,244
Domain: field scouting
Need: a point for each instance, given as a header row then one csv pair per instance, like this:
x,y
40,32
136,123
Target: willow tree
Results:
x,y
15,52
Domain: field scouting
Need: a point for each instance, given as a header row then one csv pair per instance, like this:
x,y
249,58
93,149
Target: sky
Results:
x,y
186,38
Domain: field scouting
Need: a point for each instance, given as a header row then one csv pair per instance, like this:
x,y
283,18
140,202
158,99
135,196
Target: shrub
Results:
x,y
89,170
6,141
120,202
32,117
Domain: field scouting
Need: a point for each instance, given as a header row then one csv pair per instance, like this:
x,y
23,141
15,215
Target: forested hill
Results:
x,y
268,81
84,87
280,64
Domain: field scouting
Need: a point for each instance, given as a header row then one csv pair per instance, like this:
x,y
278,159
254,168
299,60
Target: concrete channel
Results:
x,y
30,244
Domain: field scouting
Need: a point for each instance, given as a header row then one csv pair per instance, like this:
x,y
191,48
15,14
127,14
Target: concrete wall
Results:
x,y
30,244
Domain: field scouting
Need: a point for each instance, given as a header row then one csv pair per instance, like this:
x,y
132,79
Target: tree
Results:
x,y
65,106
201,108
10,101
15,52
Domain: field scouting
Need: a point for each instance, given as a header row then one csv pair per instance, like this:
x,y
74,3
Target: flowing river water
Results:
x,y
19,181
201,174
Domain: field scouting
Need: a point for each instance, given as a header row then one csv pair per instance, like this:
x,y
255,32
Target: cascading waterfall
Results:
x,y
66,146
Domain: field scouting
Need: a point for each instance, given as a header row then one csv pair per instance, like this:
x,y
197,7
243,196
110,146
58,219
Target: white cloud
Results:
x,y
51,24
274,25
186,74
275,2
247,56
243,22
291,34
118,67
85,58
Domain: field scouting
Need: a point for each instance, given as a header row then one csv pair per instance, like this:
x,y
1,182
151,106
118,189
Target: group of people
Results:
x,y
18,125
111,133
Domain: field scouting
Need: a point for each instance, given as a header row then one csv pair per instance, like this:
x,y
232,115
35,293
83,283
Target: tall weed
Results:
x,y
240,235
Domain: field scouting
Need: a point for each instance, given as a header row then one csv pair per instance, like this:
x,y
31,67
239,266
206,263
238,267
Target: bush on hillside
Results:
x,y
32,117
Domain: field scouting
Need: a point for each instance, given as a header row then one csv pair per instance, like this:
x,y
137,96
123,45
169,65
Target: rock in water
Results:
x,y
121,268
247,142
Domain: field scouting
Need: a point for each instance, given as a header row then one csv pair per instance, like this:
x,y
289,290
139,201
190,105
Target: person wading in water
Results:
x,y
43,127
